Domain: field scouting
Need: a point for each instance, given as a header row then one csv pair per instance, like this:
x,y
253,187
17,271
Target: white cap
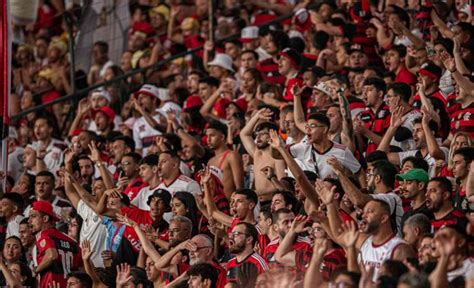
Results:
x,y
323,88
249,33
150,90
223,61
103,93
295,34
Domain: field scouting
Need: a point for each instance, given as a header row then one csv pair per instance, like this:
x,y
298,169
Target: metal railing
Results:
x,y
132,73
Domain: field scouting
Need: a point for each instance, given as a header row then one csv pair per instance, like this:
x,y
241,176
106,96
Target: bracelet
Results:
x,y
99,164
179,128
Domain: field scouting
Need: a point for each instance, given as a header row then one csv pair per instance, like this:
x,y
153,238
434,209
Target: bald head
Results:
x,y
204,251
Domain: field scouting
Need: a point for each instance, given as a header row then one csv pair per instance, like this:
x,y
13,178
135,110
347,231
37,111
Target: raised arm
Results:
x,y
306,186
395,121
104,172
357,197
101,207
285,254
246,134
236,166
460,79
148,118
433,147
207,107
212,209
298,111
313,276
88,265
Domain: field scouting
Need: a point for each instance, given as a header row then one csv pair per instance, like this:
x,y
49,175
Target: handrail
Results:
x,y
132,73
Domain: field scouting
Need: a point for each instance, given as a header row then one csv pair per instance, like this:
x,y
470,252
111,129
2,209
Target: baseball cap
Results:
x,y
248,34
163,10
150,90
109,112
162,194
223,61
103,93
321,86
291,54
414,174
46,208
302,20
193,101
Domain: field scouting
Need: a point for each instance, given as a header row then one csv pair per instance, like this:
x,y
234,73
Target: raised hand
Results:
x,y
321,246
86,250
298,225
275,141
206,175
123,274
95,153
325,194
349,234
68,155
335,164
84,106
113,193
448,61
397,118
123,219
265,114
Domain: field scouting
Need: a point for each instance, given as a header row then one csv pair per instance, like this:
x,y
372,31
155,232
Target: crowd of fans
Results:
x,y
332,148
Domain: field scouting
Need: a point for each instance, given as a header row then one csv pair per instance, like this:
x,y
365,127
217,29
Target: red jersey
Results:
x,y
134,187
333,259
377,122
462,120
454,217
437,95
222,277
301,243
142,217
405,76
246,270
269,70
295,81
263,240
69,256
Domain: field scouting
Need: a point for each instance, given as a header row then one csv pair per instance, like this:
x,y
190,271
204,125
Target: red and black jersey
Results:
x,y
168,277
462,120
263,240
454,217
222,277
301,243
377,122
269,70
437,95
69,256
333,259
295,81
452,104
405,76
245,273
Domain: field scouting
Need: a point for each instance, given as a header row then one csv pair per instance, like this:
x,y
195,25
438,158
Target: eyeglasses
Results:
x,y
237,233
312,126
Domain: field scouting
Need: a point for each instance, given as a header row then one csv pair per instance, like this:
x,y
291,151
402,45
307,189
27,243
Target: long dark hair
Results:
x,y
192,211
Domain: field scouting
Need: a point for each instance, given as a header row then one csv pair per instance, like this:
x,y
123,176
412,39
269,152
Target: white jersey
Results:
x,y
140,201
13,226
54,155
92,230
143,134
408,123
467,267
182,183
372,255
309,159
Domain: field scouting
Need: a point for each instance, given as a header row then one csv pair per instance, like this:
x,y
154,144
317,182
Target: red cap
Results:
x,y
143,27
302,20
220,107
241,104
46,208
109,112
192,102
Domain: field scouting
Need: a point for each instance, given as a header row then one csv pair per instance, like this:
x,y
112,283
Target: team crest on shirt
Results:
x,y
42,243
142,128
382,114
55,155
467,116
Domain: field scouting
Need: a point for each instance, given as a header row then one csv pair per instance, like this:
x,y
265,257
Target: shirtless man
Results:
x,y
226,160
260,150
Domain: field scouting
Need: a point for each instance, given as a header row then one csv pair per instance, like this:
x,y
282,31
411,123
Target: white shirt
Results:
x,y
408,123
117,121
467,266
182,183
371,255
92,230
54,155
143,134
13,226
430,160
141,199
309,159
59,204
170,106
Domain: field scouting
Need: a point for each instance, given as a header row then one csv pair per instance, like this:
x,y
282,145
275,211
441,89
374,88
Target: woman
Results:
x,y
13,251
251,78
184,204
460,140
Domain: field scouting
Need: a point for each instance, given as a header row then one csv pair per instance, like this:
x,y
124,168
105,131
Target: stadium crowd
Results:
x,y
333,148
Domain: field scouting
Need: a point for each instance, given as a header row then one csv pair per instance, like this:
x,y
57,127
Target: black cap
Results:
x,y
162,194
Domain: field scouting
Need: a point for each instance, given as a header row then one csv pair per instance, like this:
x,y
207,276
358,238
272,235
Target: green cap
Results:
x,y
415,174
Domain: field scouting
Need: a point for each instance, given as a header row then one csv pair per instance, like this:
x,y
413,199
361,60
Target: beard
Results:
x,y
262,145
371,227
282,234
194,261
237,248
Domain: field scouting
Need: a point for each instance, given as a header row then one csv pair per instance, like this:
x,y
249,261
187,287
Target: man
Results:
x,y
397,99
44,186
275,42
121,145
11,209
321,97
415,228
378,241
312,154
295,135
130,182
376,118
48,152
284,199
57,254
86,169
146,104
27,239
260,151
104,120
207,86
394,61
149,174
438,200
265,223
225,160
245,267
221,66
429,75
249,38
462,159
79,280
91,228
413,187
282,219
203,275
288,66
171,178
336,123
426,146
381,182
248,60
101,62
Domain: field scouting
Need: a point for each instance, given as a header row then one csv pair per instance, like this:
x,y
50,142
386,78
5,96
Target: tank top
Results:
x,y
372,255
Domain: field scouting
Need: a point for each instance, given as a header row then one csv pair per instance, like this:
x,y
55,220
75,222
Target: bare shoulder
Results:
x,y
403,251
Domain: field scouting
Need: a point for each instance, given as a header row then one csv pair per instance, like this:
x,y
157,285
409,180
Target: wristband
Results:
x,y
99,164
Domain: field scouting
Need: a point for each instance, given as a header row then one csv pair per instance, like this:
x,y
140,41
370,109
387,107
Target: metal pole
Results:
x,y
211,20
68,17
